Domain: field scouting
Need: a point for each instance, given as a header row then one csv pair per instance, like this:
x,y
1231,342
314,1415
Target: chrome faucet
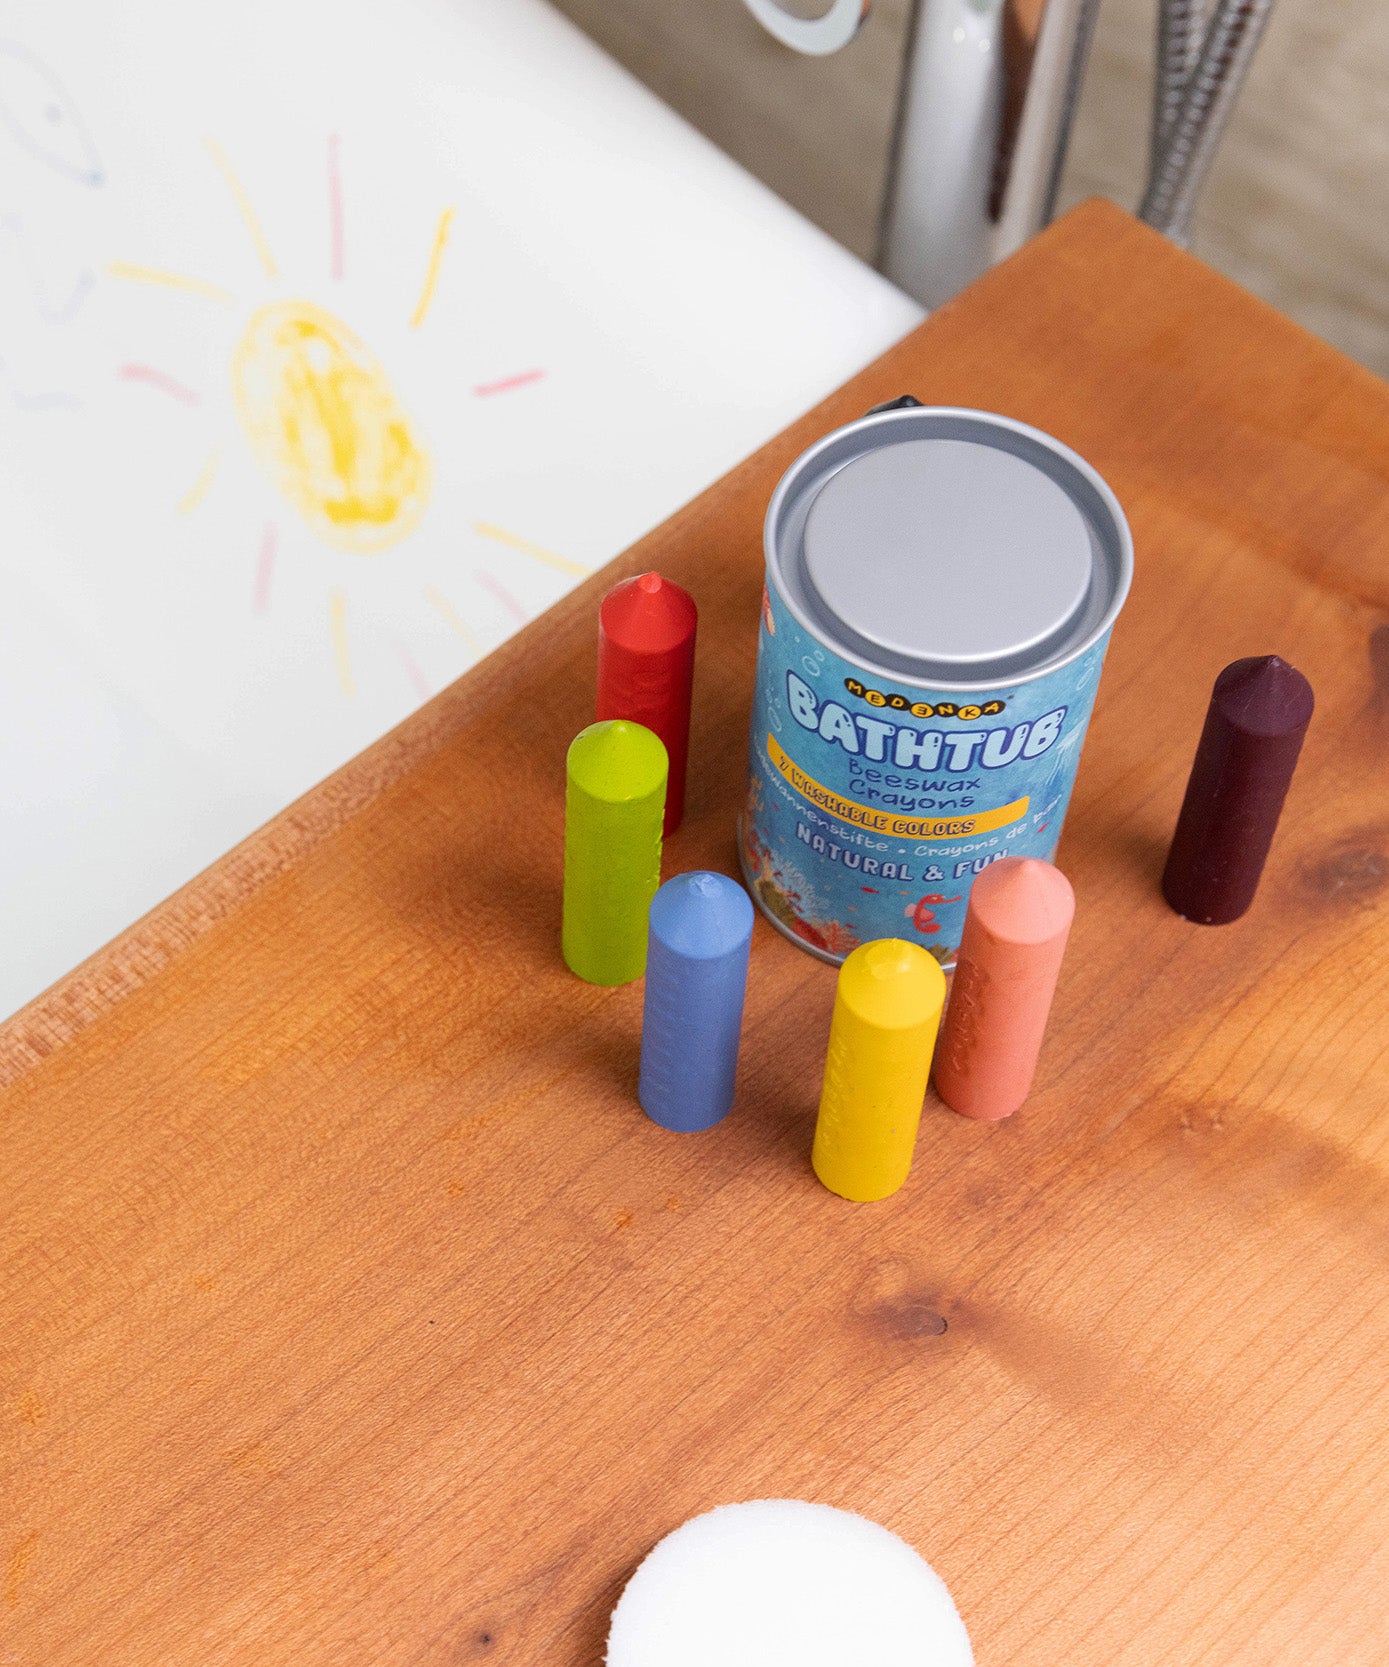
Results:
x,y
989,97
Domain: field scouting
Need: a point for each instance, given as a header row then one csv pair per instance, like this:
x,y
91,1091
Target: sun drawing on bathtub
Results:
x,y
326,426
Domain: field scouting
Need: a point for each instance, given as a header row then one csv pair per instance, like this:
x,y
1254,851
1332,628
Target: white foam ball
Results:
x,y
784,1583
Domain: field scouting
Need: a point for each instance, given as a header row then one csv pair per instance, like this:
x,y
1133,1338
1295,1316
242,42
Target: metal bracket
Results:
x,y
815,36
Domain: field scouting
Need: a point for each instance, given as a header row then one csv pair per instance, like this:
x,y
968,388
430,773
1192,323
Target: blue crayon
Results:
x,y
696,976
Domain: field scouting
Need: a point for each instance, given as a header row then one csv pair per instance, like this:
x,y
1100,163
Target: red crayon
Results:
x,y
646,641
1259,712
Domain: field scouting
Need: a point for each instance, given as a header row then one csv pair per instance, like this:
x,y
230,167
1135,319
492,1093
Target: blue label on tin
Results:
x,y
872,806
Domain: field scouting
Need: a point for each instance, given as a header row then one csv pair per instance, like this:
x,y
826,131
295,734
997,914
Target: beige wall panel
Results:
x,y
818,130
1297,206
1296,209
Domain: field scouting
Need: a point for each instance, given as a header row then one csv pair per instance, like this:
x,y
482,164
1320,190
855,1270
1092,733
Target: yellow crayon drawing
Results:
x,y
561,564
431,276
206,475
324,423
243,204
451,617
170,280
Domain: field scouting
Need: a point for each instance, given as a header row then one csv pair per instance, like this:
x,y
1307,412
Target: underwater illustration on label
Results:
x,y
872,806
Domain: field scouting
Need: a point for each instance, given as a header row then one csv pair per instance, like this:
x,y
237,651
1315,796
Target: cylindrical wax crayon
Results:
x,y
1259,712
612,849
886,1009
646,642
1016,926
696,977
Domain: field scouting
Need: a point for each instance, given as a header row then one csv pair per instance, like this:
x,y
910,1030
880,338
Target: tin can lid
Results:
x,y
948,547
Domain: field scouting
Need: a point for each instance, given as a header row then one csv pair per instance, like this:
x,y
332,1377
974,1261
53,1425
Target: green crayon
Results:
x,y
613,806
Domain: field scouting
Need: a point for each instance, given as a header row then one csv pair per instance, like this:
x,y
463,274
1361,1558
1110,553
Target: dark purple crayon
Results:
x,y
1259,712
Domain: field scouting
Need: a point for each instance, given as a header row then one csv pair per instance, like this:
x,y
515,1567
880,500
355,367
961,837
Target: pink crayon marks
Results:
x,y
265,567
521,380
336,235
161,380
418,681
503,595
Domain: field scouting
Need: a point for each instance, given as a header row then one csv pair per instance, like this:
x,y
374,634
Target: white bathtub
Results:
x,y
582,311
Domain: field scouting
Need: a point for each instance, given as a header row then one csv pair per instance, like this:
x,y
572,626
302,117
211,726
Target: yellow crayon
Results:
x,y
886,1011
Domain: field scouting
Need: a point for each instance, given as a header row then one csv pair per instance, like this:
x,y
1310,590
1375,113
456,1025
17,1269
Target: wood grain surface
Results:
x,y
353,1313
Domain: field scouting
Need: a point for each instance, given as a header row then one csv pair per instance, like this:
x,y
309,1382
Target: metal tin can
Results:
x,y
941,586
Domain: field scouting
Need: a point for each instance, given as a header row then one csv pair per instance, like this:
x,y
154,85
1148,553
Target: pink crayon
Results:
x,y
1016,925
